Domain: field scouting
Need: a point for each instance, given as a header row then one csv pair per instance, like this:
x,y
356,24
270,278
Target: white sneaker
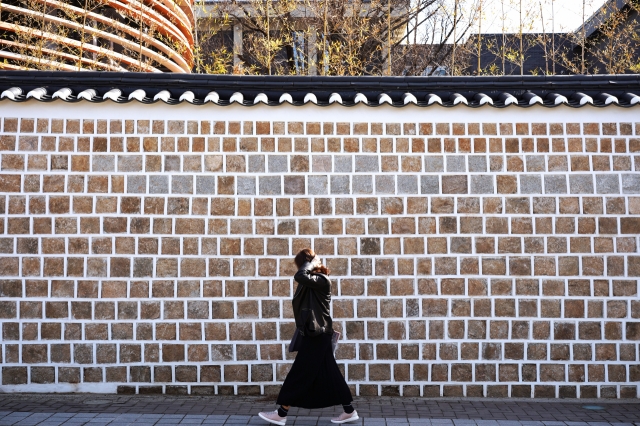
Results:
x,y
273,417
344,417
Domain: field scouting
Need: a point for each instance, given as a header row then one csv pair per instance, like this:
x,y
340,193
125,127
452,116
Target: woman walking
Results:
x,y
314,380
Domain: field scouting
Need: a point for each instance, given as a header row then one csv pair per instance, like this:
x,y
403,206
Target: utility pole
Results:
x,y
504,40
521,45
479,36
544,40
553,37
584,33
268,3
455,26
325,51
389,36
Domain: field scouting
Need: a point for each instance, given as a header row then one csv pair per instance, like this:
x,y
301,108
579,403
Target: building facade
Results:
x,y
111,35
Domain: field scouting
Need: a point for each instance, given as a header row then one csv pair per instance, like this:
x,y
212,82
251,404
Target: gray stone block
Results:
x,y
478,163
340,184
362,184
631,183
608,184
278,163
321,163
455,163
555,184
581,184
205,184
270,185
342,164
385,184
103,163
246,185
256,164
407,184
367,163
318,185
429,184
535,163
482,184
530,184
160,184
182,184
433,164
172,163
129,163
294,185
136,184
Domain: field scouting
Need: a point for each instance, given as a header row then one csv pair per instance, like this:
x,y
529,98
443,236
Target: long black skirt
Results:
x,y
314,380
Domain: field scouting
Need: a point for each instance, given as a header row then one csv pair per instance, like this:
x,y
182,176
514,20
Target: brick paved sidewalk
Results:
x,y
95,410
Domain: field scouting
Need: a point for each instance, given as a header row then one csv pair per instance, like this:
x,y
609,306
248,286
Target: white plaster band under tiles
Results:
x,y
311,113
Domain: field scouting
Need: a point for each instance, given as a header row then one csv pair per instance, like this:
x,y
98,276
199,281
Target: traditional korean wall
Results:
x,y
148,248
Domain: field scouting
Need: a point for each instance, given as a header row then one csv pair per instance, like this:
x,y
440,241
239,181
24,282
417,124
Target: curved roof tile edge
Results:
x,y
198,89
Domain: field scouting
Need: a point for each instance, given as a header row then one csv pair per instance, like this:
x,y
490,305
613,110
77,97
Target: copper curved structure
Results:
x,y
106,35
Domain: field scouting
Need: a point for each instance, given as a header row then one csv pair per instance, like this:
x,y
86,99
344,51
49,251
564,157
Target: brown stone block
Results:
x,y
579,288
497,225
14,375
172,353
494,266
501,287
448,351
454,185
446,266
434,307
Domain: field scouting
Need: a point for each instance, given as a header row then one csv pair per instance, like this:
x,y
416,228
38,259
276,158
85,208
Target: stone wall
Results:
x,y
148,248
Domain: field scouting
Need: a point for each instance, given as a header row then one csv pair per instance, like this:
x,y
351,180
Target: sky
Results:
x,y
568,14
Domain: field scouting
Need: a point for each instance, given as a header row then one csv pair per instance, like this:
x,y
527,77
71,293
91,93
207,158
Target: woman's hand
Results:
x,y
316,262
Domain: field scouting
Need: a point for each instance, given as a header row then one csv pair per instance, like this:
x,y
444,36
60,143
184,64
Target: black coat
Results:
x,y
318,288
